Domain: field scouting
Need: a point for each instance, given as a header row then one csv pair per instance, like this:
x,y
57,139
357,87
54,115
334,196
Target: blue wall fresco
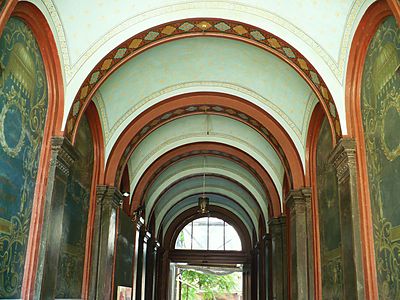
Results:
x,y
380,107
23,109
72,253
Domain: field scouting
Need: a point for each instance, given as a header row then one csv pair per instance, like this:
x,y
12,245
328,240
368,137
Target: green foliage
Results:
x,y
210,285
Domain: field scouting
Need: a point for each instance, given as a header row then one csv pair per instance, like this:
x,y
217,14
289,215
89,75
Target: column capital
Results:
x,y
297,199
281,220
343,158
65,154
108,194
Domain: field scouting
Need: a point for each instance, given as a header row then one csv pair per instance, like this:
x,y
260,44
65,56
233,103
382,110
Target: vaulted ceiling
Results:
x,y
240,94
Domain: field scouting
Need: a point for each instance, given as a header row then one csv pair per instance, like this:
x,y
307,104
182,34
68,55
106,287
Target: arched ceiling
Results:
x,y
210,128
206,64
113,52
197,166
86,31
216,185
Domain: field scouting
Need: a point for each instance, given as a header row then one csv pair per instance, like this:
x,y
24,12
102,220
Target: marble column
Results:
x,y
151,268
146,242
299,214
278,257
108,201
343,158
63,156
138,255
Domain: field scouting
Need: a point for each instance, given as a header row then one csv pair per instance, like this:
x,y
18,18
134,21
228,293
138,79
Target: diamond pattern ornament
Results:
x,y
135,43
302,64
274,43
314,78
168,30
203,25
257,35
75,108
94,77
151,36
289,52
222,26
186,26
240,29
120,53
106,64
84,91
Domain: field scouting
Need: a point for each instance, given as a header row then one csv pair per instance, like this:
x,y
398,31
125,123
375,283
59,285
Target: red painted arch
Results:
x,y
316,120
366,29
274,205
97,178
278,136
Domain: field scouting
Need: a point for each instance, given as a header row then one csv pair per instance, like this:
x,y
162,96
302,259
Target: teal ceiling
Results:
x,y
194,185
194,166
206,64
200,128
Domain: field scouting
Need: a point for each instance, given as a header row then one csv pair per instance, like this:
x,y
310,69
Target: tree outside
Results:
x,y
199,286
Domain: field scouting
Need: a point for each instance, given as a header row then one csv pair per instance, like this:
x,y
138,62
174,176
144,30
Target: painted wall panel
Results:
x,y
380,107
329,220
124,256
71,263
23,109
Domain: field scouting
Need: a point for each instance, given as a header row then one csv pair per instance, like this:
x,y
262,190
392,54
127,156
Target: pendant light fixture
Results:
x,y
203,200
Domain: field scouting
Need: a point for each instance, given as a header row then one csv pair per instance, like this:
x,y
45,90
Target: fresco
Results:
x,y
125,252
380,107
72,253
329,218
23,109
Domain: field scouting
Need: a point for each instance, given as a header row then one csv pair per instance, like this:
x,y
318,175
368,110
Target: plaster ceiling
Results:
x,y
86,31
206,64
192,129
194,185
197,166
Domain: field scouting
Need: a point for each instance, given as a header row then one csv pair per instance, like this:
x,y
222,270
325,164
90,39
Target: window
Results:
x,y
208,234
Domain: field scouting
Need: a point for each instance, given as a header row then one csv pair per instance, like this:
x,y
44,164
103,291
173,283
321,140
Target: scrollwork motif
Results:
x,y
380,104
23,95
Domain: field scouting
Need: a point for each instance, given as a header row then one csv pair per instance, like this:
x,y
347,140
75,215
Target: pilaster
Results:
x,y
108,201
63,156
299,213
278,259
343,158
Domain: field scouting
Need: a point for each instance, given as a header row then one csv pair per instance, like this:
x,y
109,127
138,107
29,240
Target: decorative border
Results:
x,y
199,27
